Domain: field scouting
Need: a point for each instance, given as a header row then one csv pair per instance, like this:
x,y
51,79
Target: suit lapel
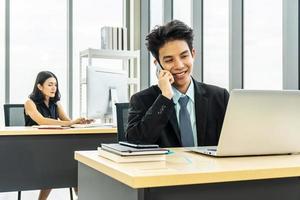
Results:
x,y
173,119
201,106
174,124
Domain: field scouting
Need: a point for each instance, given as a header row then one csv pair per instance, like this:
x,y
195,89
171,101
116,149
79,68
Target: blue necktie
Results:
x,y
185,123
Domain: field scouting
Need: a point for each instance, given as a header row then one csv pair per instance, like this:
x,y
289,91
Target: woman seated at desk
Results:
x,y
43,108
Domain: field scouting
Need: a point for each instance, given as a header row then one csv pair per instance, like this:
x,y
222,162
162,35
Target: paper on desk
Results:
x,y
50,127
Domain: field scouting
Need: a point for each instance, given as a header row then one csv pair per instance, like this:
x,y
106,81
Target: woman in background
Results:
x,y
43,108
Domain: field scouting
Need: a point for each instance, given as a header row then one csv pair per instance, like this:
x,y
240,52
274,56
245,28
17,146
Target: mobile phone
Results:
x,y
138,145
158,69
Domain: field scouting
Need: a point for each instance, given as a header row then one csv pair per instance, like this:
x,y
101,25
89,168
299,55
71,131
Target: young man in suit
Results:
x,y
179,111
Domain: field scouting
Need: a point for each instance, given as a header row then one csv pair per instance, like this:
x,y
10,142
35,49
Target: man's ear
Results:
x,y
193,53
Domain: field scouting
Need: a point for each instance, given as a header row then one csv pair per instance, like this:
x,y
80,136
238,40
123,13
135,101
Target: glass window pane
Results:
x,y
182,10
89,17
156,18
38,42
216,42
2,43
263,44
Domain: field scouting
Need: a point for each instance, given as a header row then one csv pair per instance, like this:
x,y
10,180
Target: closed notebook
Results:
x,y
127,159
131,151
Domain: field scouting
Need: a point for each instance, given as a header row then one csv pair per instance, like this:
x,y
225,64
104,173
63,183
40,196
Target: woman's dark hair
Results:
x,y
174,30
36,95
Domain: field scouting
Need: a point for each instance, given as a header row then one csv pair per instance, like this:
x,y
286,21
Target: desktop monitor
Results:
x,y
104,89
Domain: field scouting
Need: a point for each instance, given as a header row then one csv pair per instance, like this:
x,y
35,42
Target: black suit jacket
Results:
x,y
152,117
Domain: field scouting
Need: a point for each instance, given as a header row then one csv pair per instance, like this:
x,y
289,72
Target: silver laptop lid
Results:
x,y
261,122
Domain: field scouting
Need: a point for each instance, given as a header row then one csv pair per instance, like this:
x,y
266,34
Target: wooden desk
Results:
x,y
187,175
31,158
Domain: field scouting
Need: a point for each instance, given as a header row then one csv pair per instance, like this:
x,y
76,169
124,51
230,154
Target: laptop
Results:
x,y
259,122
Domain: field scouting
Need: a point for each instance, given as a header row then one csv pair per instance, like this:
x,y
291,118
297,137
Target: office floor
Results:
x,y
56,194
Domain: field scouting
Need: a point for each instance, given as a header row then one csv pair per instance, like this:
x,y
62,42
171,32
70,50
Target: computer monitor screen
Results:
x,y
104,89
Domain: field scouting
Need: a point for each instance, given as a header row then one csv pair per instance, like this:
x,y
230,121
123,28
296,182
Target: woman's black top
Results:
x,y
49,112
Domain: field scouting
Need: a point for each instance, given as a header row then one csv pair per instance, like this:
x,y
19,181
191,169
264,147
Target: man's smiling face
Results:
x,y
176,57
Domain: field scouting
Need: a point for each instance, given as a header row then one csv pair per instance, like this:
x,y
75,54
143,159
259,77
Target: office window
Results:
x,y
2,43
38,42
156,18
89,17
263,44
182,10
216,42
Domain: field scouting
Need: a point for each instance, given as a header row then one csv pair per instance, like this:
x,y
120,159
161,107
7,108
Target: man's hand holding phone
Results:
x,y
165,81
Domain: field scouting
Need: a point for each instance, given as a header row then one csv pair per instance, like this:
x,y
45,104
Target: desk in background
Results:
x,y
186,175
34,159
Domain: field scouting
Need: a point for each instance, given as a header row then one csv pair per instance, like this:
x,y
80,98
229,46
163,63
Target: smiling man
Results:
x,y
179,111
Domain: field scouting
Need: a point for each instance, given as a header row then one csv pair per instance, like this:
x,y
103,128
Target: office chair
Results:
x,y
122,117
14,116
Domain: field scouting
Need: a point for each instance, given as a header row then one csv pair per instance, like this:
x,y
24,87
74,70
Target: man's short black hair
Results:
x,y
174,30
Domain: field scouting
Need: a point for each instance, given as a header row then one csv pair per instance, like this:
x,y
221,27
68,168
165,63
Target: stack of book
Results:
x,y
123,153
